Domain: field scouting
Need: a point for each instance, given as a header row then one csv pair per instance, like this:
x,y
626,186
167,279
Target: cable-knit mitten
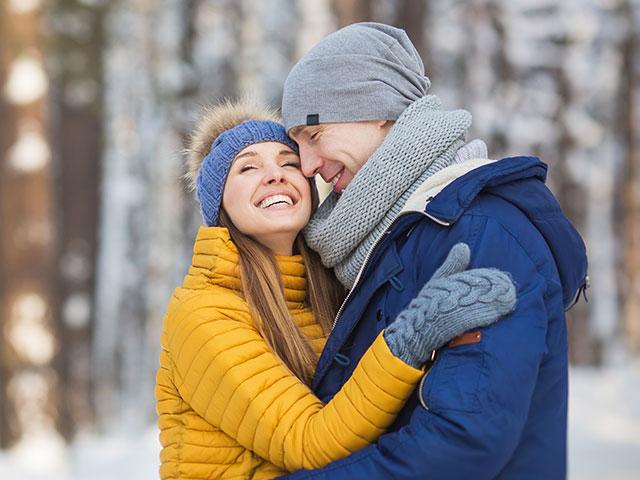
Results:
x,y
452,302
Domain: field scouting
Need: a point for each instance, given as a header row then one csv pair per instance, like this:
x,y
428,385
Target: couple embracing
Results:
x,y
410,326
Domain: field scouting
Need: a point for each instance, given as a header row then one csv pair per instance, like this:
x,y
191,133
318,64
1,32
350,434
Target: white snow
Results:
x,y
604,423
37,456
130,457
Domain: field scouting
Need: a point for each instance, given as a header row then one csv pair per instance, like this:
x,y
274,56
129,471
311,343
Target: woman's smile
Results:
x,y
277,201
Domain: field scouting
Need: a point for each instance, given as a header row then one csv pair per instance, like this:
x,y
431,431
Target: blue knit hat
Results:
x,y
215,166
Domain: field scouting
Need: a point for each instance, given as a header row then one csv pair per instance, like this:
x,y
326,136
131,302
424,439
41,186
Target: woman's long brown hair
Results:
x,y
264,293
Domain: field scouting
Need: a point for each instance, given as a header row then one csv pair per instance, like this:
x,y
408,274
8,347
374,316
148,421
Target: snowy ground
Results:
x,y
604,424
604,439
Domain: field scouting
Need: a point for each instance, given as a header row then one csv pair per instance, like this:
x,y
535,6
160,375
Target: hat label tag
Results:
x,y
313,119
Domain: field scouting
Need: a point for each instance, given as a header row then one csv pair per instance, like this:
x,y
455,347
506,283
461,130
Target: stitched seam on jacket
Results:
x,y
211,361
366,374
205,321
388,372
305,455
284,438
259,419
355,434
517,240
376,406
271,367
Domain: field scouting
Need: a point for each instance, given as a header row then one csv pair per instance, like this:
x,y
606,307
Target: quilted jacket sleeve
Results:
x,y
229,376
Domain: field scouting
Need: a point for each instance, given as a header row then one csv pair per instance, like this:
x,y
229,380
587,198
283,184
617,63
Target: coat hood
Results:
x,y
520,181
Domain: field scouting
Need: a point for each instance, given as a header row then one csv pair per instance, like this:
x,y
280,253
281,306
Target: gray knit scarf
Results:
x,y
423,141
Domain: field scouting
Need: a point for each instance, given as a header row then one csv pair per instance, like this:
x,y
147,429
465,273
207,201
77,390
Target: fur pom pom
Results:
x,y
213,121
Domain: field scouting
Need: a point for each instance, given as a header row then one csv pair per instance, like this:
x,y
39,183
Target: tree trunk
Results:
x,y
77,145
411,17
27,247
630,183
352,11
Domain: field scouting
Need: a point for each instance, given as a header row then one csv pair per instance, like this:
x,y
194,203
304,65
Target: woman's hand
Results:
x,y
452,302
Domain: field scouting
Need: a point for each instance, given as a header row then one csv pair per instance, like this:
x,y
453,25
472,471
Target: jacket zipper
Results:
x,y
432,361
373,247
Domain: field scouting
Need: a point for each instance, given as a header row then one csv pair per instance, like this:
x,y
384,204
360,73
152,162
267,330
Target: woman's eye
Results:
x,y
246,168
292,164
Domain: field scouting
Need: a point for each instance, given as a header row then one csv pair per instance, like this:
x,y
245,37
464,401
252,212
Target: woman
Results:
x,y
243,333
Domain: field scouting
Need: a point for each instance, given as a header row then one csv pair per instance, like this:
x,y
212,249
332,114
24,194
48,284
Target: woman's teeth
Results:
x,y
274,199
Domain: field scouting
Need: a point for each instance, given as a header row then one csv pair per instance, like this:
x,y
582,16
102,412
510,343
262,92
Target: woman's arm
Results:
x,y
230,377
228,374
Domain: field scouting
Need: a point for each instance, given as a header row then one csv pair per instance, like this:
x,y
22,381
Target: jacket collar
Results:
x,y
453,200
216,261
439,181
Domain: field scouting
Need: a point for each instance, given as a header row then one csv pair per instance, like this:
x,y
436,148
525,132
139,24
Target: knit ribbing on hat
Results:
x,y
365,71
422,142
215,166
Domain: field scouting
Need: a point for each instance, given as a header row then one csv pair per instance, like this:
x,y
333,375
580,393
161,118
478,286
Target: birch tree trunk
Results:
x,y
141,254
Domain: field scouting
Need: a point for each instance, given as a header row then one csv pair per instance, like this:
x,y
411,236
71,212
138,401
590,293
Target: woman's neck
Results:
x,y
280,244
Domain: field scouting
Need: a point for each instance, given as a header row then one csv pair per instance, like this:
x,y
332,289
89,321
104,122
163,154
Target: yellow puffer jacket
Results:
x,y
229,408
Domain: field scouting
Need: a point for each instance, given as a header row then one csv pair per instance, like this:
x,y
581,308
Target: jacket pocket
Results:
x,y
453,382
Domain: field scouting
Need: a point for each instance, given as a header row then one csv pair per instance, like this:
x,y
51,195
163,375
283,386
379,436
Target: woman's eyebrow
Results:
x,y
288,152
250,153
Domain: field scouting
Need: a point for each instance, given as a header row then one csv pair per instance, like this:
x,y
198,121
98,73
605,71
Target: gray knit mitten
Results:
x,y
452,302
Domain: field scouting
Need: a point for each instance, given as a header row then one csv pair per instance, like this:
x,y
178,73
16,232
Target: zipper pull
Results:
x,y
582,292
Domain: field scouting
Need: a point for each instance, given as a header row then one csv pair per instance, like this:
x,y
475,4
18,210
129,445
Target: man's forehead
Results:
x,y
301,130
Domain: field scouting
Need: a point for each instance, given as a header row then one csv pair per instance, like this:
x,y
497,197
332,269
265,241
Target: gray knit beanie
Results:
x,y
365,71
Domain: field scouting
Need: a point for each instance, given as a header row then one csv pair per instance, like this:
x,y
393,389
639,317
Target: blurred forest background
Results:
x,y
96,226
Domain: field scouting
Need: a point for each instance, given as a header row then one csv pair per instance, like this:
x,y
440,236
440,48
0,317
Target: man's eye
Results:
x,y
314,135
292,164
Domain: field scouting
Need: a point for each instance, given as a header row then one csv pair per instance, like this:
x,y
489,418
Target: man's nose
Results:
x,y
309,160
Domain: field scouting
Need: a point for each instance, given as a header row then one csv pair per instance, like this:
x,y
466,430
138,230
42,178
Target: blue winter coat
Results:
x,y
492,409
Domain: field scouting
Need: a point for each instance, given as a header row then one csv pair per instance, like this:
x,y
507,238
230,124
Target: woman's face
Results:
x,y
266,195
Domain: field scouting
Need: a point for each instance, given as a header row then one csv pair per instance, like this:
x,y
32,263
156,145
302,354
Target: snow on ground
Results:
x,y
604,439
121,457
604,423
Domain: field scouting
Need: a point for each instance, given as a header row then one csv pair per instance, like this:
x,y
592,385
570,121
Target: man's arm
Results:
x,y
478,395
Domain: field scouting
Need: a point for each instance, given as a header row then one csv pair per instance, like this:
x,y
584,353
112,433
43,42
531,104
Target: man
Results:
x,y
406,188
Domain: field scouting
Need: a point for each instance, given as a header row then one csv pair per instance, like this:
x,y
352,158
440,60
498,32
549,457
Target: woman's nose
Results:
x,y
274,174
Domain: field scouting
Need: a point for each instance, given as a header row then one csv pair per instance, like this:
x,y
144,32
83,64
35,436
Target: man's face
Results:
x,y
336,151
